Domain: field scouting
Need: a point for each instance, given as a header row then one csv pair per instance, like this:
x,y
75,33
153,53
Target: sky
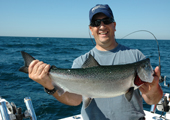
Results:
x,y
70,18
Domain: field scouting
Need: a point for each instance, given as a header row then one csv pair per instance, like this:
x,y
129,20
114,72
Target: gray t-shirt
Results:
x,y
116,108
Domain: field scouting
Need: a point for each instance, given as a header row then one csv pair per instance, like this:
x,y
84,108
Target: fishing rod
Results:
x,y
161,78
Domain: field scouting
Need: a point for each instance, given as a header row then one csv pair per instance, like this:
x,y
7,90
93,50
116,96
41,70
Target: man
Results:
x,y
107,52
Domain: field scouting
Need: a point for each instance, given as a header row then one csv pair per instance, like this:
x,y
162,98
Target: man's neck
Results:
x,y
107,48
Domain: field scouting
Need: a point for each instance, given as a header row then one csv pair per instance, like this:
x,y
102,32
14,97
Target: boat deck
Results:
x,y
149,116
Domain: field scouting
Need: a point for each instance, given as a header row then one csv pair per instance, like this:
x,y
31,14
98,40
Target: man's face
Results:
x,y
103,34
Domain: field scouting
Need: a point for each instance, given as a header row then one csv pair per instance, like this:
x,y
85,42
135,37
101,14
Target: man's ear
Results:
x,y
90,27
114,26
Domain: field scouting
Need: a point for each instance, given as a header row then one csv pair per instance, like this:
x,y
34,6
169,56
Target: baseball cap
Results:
x,y
99,8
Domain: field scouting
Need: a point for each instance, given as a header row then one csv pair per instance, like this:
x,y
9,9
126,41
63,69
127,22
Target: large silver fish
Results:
x,y
96,81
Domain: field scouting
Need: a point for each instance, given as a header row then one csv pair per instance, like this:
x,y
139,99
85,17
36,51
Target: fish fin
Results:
x,y
24,69
87,102
129,94
90,62
60,91
27,60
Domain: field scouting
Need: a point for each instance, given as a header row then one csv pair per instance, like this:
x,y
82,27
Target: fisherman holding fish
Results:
x,y
106,52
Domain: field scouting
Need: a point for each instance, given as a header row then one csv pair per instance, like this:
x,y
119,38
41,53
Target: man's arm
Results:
x,y
152,92
69,98
38,71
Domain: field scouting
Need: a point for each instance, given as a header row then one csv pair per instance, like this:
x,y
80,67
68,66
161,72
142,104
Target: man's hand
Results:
x,y
38,71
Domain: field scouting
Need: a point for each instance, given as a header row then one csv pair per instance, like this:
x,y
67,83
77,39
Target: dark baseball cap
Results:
x,y
99,8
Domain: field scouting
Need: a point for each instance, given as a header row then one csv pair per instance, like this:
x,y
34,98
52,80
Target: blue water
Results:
x,y
15,86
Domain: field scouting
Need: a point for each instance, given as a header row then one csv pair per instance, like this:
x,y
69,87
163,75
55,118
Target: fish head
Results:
x,y
145,71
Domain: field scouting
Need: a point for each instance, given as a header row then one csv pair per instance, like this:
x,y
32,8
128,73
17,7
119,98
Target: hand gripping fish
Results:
x,y
96,81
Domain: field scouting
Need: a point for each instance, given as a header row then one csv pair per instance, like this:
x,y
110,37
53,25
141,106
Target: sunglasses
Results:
x,y
106,21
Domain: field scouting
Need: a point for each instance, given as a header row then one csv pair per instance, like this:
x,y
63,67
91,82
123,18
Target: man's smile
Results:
x,y
103,33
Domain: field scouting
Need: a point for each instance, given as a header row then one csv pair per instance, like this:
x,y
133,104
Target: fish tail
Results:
x,y
27,60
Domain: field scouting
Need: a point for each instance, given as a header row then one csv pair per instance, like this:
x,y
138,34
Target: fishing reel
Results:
x,y
163,106
11,112
164,103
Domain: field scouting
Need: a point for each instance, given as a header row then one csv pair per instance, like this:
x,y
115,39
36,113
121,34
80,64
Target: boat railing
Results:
x,y
11,112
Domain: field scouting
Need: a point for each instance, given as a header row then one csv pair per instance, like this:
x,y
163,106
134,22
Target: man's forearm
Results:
x,y
69,98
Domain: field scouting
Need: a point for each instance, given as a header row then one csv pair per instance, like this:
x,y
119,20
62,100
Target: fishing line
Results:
x,y
91,37
156,42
